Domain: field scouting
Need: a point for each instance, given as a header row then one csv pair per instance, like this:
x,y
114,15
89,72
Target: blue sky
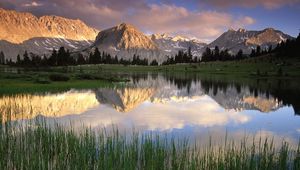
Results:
x,y
202,19
285,17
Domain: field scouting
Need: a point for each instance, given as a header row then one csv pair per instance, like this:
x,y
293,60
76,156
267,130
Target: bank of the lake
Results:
x,y
14,80
37,82
260,66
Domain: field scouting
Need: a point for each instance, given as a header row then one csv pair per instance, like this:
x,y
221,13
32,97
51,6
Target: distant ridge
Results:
x,y
248,40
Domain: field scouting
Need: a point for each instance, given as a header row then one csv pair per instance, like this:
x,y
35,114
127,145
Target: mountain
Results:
x,y
174,44
125,40
248,40
39,35
124,36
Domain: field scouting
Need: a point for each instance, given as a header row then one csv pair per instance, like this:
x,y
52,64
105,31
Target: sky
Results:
x,y
201,19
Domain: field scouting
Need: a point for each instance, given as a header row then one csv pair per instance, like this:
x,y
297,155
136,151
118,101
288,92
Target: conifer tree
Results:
x,y
2,58
81,60
26,59
154,63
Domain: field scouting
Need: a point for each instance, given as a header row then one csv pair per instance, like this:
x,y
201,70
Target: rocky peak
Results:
x,y
268,36
180,38
17,27
247,39
230,30
241,30
125,26
269,29
124,36
159,36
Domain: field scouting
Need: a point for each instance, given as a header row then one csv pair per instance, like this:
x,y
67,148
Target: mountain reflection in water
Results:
x,y
166,103
160,90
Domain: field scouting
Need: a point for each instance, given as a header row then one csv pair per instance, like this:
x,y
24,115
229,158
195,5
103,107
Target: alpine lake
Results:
x,y
189,106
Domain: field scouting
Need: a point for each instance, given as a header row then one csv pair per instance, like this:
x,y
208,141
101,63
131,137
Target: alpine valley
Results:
x,y
22,32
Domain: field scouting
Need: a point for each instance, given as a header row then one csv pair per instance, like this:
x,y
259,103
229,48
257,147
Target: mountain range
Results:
x,y
40,35
24,31
248,40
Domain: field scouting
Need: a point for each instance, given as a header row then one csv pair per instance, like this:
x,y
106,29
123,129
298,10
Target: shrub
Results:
x,y
42,81
85,77
59,77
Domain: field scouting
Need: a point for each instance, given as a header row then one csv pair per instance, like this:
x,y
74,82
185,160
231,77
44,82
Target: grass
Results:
x,y
41,147
91,76
37,145
38,82
265,66
19,86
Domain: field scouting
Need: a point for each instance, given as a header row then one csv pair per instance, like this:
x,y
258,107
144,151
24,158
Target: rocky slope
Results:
x,y
24,31
174,44
125,40
124,36
248,40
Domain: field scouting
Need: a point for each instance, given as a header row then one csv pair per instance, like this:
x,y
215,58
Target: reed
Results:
x,y
39,146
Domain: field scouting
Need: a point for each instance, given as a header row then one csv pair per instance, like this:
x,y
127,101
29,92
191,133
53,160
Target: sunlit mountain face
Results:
x,y
162,103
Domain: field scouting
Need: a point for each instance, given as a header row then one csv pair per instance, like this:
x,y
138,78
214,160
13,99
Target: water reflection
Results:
x,y
158,89
26,106
186,106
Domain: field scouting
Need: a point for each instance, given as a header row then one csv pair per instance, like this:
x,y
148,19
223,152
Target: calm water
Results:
x,y
184,106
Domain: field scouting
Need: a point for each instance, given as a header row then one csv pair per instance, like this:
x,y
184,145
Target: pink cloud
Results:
x,y
177,20
32,4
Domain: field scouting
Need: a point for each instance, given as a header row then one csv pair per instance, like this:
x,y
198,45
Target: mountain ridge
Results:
x,y
17,27
246,40
22,31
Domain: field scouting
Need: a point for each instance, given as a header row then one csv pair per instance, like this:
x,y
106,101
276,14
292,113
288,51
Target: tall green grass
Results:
x,y
42,147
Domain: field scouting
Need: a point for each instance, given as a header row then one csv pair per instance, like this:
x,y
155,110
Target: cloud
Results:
x,y
268,4
178,20
200,112
32,4
153,18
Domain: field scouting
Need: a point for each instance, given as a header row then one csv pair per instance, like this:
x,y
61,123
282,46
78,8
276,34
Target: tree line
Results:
x,y
289,48
208,55
63,57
